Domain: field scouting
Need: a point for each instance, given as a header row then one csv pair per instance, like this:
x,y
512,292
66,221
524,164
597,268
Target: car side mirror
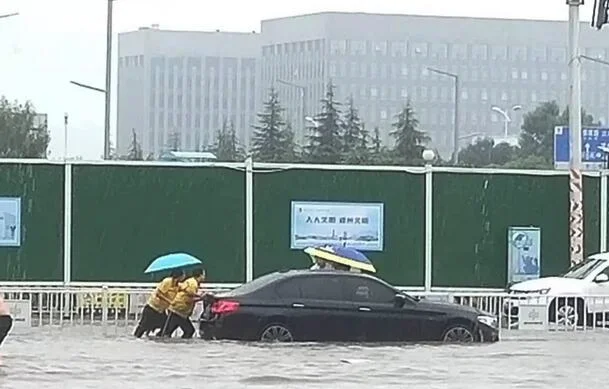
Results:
x,y
399,300
601,278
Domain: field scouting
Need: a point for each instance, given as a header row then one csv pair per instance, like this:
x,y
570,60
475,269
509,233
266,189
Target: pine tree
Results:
x,y
325,141
354,142
288,145
377,143
135,149
227,146
173,141
409,140
273,141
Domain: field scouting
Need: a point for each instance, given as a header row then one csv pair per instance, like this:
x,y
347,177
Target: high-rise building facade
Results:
x,y
189,82
383,60
181,87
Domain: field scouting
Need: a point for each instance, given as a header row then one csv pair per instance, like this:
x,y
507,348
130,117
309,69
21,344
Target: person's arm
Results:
x,y
190,287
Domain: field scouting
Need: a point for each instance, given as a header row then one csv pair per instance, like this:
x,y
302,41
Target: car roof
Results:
x,y
289,273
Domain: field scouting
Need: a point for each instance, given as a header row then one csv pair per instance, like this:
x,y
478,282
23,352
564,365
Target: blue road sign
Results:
x,y
594,139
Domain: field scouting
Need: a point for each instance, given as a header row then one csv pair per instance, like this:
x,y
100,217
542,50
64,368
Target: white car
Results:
x,y
581,293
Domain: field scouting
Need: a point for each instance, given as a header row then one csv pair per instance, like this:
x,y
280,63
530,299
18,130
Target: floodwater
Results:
x,y
93,357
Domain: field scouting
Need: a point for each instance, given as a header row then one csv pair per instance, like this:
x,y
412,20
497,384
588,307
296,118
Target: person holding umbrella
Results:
x,y
182,306
341,258
153,314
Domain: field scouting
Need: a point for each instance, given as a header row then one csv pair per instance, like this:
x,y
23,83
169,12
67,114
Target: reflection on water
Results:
x,y
88,357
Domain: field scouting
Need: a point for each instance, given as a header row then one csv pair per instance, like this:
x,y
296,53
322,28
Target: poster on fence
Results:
x,y
357,225
524,254
10,221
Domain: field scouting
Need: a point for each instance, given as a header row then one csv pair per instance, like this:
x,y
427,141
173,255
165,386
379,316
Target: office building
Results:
x,y
381,60
189,81
184,85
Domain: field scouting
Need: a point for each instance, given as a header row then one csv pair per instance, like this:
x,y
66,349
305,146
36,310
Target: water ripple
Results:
x,y
97,358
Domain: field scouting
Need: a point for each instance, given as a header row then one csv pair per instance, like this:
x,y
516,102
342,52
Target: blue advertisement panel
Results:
x,y
524,253
10,221
356,225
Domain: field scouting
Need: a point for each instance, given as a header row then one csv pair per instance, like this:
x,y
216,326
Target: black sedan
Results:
x,y
337,306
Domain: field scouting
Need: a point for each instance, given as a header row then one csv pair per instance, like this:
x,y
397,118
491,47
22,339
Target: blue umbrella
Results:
x,y
344,255
172,261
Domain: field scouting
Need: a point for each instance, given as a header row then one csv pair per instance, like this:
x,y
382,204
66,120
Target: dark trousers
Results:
x,y
150,321
174,321
6,323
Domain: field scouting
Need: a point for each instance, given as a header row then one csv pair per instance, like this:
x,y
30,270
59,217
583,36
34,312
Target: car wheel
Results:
x,y
458,333
567,312
276,333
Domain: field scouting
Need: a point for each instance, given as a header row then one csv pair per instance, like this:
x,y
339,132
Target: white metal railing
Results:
x,y
118,306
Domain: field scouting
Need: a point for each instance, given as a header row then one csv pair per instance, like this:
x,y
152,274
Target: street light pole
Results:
x,y
65,136
576,219
506,117
108,82
455,77
303,95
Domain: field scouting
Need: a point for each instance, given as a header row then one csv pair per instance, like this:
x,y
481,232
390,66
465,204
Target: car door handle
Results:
x,y
364,309
295,305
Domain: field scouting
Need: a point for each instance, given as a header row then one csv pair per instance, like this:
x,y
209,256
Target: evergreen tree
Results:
x,y
378,153
173,141
409,140
377,143
273,141
227,146
355,145
325,141
22,134
288,145
135,149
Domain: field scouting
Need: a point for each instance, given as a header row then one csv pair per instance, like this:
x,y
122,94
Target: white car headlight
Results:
x,y
488,320
544,291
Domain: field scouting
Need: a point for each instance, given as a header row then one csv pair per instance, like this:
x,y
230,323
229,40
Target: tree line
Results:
x,y
535,148
336,135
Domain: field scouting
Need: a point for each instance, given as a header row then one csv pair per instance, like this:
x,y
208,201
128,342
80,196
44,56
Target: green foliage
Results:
x,y
20,134
135,149
325,142
173,141
273,139
409,140
537,137
227,148
484,152
354,136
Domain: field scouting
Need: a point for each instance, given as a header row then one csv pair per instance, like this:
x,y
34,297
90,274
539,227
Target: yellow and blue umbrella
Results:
x,y
344,255
172,261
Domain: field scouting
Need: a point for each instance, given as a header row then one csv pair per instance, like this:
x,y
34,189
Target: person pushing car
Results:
x,y
183,304
153,314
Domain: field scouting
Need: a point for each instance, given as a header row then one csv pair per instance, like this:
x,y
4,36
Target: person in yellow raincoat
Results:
x,y
153,314
183,304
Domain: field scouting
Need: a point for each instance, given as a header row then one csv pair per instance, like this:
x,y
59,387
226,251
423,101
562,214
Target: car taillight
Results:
x,y
223,307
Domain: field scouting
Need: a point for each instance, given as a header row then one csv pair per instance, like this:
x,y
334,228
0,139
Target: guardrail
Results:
x,y
120,306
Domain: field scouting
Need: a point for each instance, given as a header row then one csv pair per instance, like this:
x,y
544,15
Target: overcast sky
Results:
x,y
54,41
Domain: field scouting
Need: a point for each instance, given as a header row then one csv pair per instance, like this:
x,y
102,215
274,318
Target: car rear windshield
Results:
x,y
253,285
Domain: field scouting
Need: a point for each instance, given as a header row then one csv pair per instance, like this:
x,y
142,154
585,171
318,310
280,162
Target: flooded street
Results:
x,y
85,357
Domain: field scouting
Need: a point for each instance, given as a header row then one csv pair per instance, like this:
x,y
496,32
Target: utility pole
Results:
x,y
108,82
65,136
576,211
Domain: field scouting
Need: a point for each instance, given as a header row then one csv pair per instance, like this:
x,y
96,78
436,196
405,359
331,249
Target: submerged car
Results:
x,y
336,306
572,298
